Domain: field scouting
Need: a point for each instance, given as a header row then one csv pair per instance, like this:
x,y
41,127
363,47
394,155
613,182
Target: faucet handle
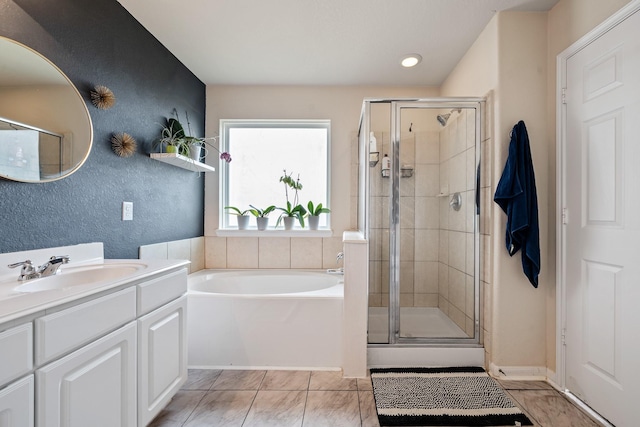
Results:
x,y
339,256
26,265
27,271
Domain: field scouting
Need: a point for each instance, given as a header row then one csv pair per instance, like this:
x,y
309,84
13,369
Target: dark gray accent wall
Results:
x,y
99,42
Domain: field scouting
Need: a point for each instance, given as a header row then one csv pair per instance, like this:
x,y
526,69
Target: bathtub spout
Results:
x,y
336,270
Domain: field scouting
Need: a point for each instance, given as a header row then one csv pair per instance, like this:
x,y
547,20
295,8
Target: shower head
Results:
x,y
442,118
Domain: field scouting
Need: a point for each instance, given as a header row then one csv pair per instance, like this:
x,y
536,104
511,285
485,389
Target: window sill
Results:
x,y
326,232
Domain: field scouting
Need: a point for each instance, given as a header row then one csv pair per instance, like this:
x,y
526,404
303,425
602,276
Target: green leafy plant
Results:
x,y
237,211
293,209
297,211
316,210
261,213
173,134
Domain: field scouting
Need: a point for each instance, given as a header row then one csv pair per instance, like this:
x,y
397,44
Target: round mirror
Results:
x,y
45,127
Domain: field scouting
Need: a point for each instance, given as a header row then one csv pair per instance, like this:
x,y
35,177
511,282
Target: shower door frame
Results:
x,y
396,105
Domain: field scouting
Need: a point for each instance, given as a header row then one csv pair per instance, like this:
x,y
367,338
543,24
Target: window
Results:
x,y
261,151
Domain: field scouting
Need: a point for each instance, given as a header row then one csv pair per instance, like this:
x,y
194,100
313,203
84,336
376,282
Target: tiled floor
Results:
x,y
321,398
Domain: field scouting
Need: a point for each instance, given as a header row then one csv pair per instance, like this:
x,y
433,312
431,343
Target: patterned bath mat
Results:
x,y
442,397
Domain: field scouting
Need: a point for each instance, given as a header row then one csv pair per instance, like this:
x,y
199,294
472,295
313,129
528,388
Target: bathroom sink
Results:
x,y
71,276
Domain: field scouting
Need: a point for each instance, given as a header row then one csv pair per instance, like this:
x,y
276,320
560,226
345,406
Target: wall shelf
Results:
x,y
183,162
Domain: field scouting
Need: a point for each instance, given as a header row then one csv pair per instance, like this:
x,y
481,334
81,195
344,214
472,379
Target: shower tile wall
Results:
x,y
456,248
419,223
437,246
380,191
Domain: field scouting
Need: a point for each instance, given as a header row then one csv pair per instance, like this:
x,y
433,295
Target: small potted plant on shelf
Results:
x,y
262,216
176,140
241,216
172,138
292,211
314,214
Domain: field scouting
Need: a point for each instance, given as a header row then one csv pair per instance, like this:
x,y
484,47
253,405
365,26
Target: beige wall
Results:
x,y
516,57
477,75
511,58
342,106
514,60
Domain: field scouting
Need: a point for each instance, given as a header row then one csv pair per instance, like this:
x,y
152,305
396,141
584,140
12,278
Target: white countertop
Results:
x,y
14,305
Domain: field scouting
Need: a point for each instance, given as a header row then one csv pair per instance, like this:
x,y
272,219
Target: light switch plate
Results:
x,y
127,211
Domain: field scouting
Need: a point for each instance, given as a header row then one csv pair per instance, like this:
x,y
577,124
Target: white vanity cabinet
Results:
x,y
87,363
93,386
113,359
162,342
16,386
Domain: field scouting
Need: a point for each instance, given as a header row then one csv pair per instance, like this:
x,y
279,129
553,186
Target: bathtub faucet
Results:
x,y
340,270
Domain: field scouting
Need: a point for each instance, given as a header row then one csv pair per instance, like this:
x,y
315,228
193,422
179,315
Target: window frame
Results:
x,y
226,125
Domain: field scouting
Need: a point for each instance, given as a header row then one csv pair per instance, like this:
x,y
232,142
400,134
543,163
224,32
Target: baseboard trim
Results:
x,y
519,373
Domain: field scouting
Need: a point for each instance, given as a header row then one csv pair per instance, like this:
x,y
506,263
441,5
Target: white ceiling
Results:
x,y
320,42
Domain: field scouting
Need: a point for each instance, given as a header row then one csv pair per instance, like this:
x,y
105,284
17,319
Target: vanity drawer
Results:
x,y
157,292
19,360
61,332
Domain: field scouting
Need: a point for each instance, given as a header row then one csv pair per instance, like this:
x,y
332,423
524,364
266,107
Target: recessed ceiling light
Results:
x,y
411,60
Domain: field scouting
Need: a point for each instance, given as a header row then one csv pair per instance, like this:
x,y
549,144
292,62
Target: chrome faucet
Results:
x,y
340,270
50,268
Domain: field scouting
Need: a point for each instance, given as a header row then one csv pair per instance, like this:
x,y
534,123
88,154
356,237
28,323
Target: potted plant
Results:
x,y
177,141
290,214
262,216
241,216
172,138
292,211
314,214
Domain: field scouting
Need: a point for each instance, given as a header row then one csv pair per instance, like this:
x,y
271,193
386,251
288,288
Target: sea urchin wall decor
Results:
x,y
123,144
102,97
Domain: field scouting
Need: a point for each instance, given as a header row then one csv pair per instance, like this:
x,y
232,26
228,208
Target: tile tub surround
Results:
x,y
272,252
322,398
189,249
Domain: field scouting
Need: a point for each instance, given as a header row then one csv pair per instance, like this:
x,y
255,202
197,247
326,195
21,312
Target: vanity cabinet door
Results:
x,y
93,386
16,403
162,357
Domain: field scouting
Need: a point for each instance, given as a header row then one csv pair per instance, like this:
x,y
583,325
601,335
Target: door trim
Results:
x,y
561,122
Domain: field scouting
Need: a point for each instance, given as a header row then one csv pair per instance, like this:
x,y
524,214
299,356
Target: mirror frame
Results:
x,y
84,110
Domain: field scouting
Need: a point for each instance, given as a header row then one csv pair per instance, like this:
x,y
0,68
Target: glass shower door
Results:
x,y
422,221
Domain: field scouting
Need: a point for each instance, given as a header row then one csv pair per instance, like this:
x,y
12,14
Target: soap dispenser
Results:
x,y
386,166
373,143
373,150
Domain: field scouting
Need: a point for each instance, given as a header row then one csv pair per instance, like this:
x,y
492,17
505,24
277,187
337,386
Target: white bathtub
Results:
x,y
259,319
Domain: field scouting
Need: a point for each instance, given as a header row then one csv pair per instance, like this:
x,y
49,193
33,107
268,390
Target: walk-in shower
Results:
x,y
421,220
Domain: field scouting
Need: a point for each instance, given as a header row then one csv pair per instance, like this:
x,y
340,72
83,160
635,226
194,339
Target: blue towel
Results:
x,y
516,195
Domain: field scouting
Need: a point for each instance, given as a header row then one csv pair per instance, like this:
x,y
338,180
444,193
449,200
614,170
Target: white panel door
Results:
x,y
602,232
